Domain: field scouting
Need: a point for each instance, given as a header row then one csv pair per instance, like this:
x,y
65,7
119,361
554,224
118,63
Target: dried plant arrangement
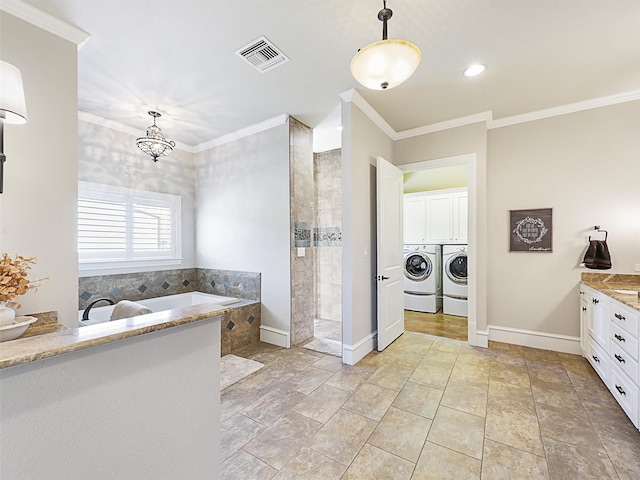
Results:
x,y
14,278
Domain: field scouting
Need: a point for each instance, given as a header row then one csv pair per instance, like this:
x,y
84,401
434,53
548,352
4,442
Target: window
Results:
x,y
124,227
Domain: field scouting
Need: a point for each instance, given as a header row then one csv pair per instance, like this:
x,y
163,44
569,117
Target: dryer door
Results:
x,y
417,266
456,268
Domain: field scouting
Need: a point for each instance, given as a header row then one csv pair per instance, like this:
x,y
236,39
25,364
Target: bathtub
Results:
x,y
102,314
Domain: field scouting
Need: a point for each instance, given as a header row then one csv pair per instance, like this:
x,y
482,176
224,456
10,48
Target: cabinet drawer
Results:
x,y
624,362
624,318
624,340
598,360
625,392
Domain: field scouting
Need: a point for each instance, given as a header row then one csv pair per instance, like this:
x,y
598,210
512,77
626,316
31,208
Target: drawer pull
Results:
x,y
595,300
596,358
619,317
619,388
620,338
584,309
619,358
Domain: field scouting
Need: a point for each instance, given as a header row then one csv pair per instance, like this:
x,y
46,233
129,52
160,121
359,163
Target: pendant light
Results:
x,y
385,64
154,143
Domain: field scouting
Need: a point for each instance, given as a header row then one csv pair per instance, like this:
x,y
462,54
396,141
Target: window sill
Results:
x,y
88,268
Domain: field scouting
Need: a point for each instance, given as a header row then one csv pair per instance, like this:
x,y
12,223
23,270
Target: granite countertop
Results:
x,y
60,339
607,283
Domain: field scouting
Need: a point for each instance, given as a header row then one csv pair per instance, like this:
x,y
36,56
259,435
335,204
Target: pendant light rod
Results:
x,y
384,15
386,63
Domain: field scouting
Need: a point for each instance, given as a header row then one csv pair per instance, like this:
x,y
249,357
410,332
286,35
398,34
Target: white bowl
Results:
x,y
17,328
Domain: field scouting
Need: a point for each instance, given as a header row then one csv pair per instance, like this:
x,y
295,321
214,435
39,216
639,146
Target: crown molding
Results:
x,y
446,125
126,129
352,96
237,135
40,19
243,132
565,109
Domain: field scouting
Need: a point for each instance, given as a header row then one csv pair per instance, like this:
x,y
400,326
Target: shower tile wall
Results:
x,y
327,236
302,217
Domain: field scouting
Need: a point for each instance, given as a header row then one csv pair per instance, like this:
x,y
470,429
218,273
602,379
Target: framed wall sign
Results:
x,y
530,230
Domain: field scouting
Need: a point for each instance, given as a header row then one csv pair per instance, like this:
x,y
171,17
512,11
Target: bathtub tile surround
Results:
x,y
302,210
239,327
135,286
144,285
327,235
229,283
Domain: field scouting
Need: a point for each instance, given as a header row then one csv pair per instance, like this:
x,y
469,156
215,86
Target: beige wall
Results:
x,y
38,208
243,217
586,166
362,143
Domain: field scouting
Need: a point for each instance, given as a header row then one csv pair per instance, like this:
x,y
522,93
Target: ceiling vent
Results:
x,y
262,55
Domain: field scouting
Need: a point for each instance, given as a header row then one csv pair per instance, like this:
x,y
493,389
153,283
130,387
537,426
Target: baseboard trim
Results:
x,y
352,354
275,336
482,339
534,339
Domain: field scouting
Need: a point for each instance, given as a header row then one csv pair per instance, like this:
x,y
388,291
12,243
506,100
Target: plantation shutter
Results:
x,y
120,224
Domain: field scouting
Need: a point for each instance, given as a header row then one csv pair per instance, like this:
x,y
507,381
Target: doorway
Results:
x,y
443,323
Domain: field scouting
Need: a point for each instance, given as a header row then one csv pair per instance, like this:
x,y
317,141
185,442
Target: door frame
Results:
x,y
471,160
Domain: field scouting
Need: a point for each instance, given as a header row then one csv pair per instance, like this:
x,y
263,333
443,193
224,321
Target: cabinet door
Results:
x,y
439,218
584,307
414,219
460,217
598,313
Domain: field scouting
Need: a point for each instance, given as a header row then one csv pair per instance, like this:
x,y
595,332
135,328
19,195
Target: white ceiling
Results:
x,y
178,57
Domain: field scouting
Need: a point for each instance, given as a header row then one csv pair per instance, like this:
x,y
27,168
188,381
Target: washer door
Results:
x,y
417,266
456,268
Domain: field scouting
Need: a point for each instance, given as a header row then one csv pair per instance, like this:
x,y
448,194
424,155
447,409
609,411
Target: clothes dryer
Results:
x,y
454,280
422,278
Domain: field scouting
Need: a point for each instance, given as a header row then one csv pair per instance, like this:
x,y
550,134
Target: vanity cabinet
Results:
x,y
594,311
436,217
609,336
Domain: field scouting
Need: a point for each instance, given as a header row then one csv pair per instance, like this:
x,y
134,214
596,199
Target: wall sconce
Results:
x,y
12,105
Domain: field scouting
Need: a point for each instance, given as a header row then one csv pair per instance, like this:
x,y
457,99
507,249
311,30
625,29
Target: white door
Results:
x,y
390,260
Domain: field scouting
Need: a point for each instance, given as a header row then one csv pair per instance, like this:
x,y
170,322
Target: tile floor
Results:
x,y
425,408
327,337
439,324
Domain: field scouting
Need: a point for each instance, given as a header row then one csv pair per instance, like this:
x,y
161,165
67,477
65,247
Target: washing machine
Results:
x,y
454,280
422,278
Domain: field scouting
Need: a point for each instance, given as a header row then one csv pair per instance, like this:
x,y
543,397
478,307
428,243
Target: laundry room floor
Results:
x,y
438,324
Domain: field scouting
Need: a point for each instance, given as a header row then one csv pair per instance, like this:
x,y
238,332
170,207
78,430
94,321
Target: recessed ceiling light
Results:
x,y
474,70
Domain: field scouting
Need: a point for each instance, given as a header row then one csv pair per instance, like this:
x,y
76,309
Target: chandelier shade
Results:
x,y
387,63
154,143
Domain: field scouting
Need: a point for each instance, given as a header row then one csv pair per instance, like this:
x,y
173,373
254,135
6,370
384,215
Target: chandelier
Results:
x,y
154,143
387,63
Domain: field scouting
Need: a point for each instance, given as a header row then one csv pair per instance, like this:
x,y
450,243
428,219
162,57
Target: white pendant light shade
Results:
x,y
12,105
385,64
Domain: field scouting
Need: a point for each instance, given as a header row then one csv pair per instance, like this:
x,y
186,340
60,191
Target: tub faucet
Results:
x,y
85,314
